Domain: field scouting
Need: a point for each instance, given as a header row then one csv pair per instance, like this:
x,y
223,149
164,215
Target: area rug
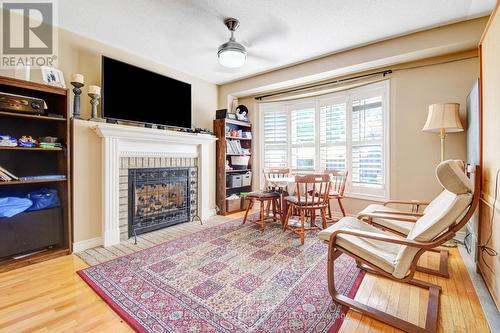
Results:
x,y
227,278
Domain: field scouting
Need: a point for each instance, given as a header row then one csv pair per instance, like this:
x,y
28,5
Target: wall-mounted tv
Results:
x,y
130,93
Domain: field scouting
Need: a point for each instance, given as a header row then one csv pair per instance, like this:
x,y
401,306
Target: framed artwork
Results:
x,y
53,76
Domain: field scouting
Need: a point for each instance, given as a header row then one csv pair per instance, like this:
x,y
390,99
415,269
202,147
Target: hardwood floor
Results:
x,y
50,297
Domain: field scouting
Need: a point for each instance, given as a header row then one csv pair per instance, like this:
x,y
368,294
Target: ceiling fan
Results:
x,y
232,54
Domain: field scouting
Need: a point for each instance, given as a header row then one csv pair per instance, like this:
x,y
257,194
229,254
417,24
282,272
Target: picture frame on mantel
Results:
x,y
225,114
53,76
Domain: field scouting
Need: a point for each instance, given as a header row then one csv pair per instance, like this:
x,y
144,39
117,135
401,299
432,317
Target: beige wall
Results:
x,y
78,54
490,266
413,153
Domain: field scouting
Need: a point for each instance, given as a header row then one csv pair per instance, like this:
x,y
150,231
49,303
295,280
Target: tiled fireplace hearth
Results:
x,y
126,147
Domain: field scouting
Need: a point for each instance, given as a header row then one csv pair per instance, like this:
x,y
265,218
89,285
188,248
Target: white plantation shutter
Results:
x,y
367,142
333,126
275,139
340,131
303,152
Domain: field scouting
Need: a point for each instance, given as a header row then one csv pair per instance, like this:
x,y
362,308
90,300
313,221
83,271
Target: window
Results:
x,y
345,130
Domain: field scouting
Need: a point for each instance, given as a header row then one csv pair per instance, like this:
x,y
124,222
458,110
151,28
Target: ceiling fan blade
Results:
x,y
267,32
221,69
259,57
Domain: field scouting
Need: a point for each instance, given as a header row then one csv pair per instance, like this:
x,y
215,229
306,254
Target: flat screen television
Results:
x,y
130,93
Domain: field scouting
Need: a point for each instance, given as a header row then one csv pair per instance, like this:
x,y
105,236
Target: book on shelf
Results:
x,y
4,177
43,177
233,147
8,174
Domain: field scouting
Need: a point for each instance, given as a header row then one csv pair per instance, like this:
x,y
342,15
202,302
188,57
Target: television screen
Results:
x,y
131,93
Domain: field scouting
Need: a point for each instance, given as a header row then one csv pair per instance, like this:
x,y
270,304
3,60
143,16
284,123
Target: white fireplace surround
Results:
x,y
129,141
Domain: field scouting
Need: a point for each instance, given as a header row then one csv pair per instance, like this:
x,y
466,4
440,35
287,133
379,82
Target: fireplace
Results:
x,y
160,197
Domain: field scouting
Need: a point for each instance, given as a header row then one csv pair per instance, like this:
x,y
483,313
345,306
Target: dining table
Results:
x,y
286,186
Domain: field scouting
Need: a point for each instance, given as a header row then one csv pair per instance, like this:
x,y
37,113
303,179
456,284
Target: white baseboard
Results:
x,y
87,244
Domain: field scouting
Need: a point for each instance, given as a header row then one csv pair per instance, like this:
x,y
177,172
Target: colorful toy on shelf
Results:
x,y
7,141
49,142
27,141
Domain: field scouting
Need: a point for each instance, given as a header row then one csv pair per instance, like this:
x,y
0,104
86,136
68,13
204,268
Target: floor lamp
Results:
x,y
443,118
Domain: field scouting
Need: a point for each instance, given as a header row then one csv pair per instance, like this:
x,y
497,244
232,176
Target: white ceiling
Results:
x,y
185,34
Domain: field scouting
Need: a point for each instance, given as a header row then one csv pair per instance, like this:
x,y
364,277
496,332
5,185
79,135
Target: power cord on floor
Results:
x,y
485,249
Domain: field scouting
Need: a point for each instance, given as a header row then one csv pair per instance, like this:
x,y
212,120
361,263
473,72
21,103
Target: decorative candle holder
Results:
x,y
76,101
94,101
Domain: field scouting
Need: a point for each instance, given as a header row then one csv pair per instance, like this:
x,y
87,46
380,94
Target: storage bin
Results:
x,y
233,181
240,162
244,204
233,205
31,231
246,179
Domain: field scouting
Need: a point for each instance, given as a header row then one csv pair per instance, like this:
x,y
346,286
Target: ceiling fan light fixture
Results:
x,y
232,58
232,54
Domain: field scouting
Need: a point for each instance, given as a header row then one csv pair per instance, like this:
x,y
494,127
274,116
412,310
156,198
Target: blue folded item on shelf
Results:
x,y
10,206
43,199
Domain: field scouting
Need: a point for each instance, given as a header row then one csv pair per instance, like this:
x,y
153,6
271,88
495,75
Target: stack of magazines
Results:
x,y
6,175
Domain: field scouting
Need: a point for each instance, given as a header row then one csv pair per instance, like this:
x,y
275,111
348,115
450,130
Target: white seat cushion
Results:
x,y
399,226
381,254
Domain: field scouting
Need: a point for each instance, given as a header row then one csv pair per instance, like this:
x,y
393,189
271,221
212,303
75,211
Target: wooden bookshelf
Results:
x,y
25,162
35,181
221,127
31,149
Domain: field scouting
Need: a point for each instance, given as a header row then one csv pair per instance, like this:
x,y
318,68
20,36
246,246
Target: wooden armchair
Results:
x,y
337,187
311,194
401,221
396,258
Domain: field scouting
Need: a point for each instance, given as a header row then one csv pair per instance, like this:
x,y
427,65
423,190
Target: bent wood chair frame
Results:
x,y
334,251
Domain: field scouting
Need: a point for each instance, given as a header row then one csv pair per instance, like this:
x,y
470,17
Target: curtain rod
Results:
x,y
384,73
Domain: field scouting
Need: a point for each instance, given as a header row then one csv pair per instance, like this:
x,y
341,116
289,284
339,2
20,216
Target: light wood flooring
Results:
x,y
50,297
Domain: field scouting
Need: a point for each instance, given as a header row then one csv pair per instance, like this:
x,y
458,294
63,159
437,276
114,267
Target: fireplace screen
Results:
x,y
158,198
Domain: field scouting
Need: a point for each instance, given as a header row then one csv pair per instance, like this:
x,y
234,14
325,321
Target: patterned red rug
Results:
x,y
228,278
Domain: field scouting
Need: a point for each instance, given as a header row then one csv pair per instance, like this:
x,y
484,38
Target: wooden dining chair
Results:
x,y
311,194
383,253
269,198
337,186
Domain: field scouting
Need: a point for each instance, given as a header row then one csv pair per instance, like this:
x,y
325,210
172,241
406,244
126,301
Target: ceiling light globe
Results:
x,y
232,58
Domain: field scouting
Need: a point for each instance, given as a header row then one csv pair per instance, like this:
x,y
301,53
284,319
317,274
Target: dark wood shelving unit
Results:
x,y
31,149
221,127
36,181
30,116
25,162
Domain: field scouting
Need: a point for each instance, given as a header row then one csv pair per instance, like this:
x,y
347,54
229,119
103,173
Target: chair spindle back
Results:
x,y
338,179
312,190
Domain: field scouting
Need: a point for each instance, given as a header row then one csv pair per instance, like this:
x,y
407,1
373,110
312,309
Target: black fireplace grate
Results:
x,y
158,198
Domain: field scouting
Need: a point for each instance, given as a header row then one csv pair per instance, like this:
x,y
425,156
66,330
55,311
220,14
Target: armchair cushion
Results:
x,y
446,209
380,253
399,226
452,177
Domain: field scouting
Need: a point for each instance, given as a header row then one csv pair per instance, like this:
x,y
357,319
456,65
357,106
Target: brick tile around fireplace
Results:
x,y
127,163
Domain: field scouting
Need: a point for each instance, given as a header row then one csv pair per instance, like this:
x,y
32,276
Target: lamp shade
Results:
x,y
443,116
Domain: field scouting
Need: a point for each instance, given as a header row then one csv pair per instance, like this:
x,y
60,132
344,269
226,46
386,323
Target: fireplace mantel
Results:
x,y
128,141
